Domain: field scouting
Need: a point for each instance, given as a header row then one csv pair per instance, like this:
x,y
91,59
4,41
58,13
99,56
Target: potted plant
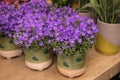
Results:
x,y
107,38
32,34
7,48
73,37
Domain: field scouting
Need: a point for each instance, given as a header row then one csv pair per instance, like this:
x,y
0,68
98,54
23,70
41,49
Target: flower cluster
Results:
x,y
9,15
32,30
37,25
72,33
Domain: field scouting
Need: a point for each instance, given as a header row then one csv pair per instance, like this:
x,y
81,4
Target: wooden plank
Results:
x,y
98,67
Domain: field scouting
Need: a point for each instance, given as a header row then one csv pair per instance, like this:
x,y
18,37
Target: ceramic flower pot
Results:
x,y
108,40
8,49
37,59
71,66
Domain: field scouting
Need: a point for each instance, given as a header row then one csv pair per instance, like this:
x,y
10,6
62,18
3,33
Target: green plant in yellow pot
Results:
x,y
7,23
108,40
32,34
73,37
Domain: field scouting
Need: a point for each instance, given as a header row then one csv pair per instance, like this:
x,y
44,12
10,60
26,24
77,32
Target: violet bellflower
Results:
x,y
32,31
35,25
73,34
9,15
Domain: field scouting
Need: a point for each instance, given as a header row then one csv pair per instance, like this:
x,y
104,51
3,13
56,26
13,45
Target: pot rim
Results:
x,y
98,20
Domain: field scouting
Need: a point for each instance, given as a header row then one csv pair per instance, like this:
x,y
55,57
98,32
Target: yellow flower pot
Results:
x,y
105,47
108,40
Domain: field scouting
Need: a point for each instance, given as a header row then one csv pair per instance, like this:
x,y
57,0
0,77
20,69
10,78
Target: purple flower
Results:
x,y
72,45
60,52
79,40
70,29
41,44
27,24
54,49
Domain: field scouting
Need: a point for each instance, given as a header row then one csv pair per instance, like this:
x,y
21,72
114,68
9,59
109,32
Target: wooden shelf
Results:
x,y
98,67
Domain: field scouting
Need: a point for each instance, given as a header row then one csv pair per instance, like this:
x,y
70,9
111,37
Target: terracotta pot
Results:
x,y
37,59
71,66
8,49
108,40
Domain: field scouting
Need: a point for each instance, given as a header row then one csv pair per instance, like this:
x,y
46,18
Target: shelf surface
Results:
x,y
98,67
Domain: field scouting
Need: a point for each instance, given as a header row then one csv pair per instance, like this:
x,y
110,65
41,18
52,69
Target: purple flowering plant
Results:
x,y
73,34
9,15
32,31
36,25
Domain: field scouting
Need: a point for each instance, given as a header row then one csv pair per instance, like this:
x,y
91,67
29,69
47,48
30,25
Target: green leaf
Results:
x,y
97,8
92,1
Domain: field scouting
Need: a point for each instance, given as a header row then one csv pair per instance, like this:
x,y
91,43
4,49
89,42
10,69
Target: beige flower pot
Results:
x,y
38,66
71,66
8,49
37,59
108,39
11,54
71,73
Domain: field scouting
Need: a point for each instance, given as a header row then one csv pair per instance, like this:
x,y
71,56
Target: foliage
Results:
x,y
105,9
71,3
81,3
61,3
